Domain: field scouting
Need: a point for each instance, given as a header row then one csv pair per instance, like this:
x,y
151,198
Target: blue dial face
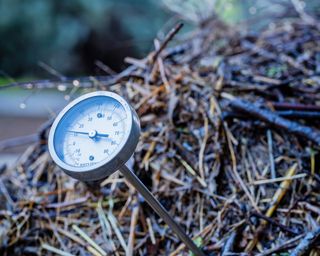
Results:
x,y
91,132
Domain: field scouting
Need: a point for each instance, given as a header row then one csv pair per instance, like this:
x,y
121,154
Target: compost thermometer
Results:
x,y
94,136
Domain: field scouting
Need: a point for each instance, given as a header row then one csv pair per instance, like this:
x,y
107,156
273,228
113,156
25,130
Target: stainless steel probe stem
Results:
x,y
160,210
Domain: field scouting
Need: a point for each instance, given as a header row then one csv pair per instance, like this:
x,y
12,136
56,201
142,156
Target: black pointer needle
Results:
x,y
93,133
86,133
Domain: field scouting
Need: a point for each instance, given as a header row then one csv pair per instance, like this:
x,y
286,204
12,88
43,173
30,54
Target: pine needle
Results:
x,y
276,199
55,250
89,240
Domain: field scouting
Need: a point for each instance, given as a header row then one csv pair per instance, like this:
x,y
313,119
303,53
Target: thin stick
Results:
x,y
105,68
276,199
78,240
228,247
18,141
270,220
133,223
203,146
191,171
51,70
306,243
287,244
89,240
55,250
274,119
234,168
271,158
167,39
113,223
151,232
4,191
262,182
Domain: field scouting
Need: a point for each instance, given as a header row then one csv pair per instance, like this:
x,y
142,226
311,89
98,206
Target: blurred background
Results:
x,y
69,37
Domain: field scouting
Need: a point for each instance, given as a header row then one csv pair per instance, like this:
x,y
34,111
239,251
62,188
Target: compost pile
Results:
x,y
229,146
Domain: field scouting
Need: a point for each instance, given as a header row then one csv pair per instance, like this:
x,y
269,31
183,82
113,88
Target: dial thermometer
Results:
x,y
94,136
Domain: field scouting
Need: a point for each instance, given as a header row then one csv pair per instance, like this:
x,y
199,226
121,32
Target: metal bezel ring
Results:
x,y
121,155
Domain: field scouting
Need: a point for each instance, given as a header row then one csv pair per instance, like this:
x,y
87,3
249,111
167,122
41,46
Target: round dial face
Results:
x,y
91,131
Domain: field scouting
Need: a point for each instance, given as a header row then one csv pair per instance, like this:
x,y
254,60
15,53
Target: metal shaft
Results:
x,y
160,210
